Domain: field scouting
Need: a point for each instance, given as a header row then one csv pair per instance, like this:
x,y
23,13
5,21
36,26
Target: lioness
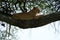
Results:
x,y
27,15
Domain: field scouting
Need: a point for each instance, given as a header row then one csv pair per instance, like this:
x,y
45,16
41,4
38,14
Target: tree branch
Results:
x,y
33,22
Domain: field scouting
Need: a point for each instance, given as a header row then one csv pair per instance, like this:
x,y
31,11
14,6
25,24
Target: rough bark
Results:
x,y
33,23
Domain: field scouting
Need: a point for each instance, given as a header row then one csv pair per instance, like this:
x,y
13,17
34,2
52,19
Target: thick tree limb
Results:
x,y
33,22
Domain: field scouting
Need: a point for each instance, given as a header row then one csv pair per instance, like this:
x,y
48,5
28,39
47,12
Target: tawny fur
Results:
x,y
27,15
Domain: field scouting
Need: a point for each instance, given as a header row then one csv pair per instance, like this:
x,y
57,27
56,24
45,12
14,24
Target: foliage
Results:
x,y
6,34
46,6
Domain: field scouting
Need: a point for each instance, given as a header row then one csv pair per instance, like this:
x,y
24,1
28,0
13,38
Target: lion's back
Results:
x,y
22,16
